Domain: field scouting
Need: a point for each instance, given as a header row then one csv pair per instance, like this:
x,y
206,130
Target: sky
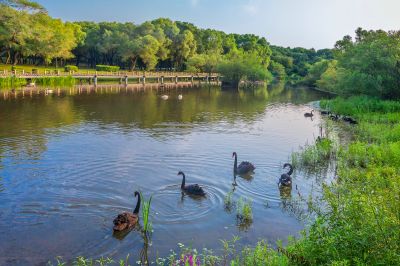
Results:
x,y
290,23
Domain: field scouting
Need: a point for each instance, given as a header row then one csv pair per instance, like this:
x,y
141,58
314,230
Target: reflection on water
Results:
x,y
71,160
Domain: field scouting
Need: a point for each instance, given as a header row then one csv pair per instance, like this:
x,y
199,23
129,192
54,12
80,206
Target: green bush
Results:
x,y
107,68
72,68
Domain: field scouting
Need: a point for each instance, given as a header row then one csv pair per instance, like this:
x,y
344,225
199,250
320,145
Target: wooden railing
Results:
x,y
91,73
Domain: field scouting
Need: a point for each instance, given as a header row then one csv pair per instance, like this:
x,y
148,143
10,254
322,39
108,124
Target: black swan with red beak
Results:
x,y
128,220
194,190
243,168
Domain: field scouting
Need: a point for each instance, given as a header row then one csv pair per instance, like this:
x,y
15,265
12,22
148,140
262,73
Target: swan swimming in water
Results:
x,y
180,97
127,220
243,168
195,189
164,97
309,114
286,179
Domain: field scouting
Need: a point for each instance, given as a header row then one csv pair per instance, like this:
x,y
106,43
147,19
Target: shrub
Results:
x,y
107,68
72,68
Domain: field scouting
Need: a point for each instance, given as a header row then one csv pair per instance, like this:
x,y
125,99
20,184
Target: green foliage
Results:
x,y
244,210
243,66
146,204
107,68
11,82
72,68
55,81
369,65
261,254
360,223
277,70
315,156
228,201
25,34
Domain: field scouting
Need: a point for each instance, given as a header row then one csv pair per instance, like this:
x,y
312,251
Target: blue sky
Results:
x,y
305,23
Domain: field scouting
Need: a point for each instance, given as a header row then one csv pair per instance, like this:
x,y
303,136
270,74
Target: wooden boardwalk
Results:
x,y
122,76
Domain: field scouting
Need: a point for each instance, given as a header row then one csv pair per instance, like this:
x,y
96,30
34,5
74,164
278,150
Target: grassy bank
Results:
x,y
361,222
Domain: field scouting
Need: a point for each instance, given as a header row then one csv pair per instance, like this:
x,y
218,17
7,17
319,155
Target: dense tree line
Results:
x,y
369,65
28,35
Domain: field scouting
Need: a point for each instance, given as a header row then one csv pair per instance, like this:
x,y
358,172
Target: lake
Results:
x,y
71,160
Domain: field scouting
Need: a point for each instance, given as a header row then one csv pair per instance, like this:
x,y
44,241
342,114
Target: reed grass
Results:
x,y
244,210
11,82
146,205
55,81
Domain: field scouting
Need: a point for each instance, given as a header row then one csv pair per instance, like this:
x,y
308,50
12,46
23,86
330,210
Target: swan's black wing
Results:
x,y
195,190
245,167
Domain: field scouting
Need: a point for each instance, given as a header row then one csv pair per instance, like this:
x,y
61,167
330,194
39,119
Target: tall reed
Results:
x,y
147,226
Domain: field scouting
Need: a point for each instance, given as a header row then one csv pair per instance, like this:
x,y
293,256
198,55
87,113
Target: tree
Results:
x,y
370,64
244,67
184,47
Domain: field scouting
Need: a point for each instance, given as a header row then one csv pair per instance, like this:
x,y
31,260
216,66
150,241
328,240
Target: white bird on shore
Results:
x,y
164,97
49,91
180,97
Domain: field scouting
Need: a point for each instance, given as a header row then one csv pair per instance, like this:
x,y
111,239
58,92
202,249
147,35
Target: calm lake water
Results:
x,y
70,161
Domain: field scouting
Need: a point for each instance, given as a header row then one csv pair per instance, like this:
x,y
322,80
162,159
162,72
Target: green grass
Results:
x,y
146,204
55,81
315,156
228,201
244,211
11,82
41,69
360,224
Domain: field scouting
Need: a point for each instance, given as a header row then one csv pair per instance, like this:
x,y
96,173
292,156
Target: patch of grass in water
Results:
x,y
244,213
312,157
146,204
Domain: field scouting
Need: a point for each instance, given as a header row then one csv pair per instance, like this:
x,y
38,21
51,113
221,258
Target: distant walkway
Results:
x,y
123,76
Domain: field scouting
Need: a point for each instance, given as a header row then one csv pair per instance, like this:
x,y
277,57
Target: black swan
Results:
x,y
349,120
127,220
243,168
323,112
286,179
191,189
334,117
309,114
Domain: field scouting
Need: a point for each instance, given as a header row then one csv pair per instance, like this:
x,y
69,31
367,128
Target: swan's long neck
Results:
x,y
136,211
235,164
183,181
290,169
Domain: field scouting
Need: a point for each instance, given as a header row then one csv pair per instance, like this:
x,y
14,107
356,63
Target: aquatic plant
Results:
x,y
244,212
55,81
315,156
147,225
228,201
11,82
188,256
82,261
